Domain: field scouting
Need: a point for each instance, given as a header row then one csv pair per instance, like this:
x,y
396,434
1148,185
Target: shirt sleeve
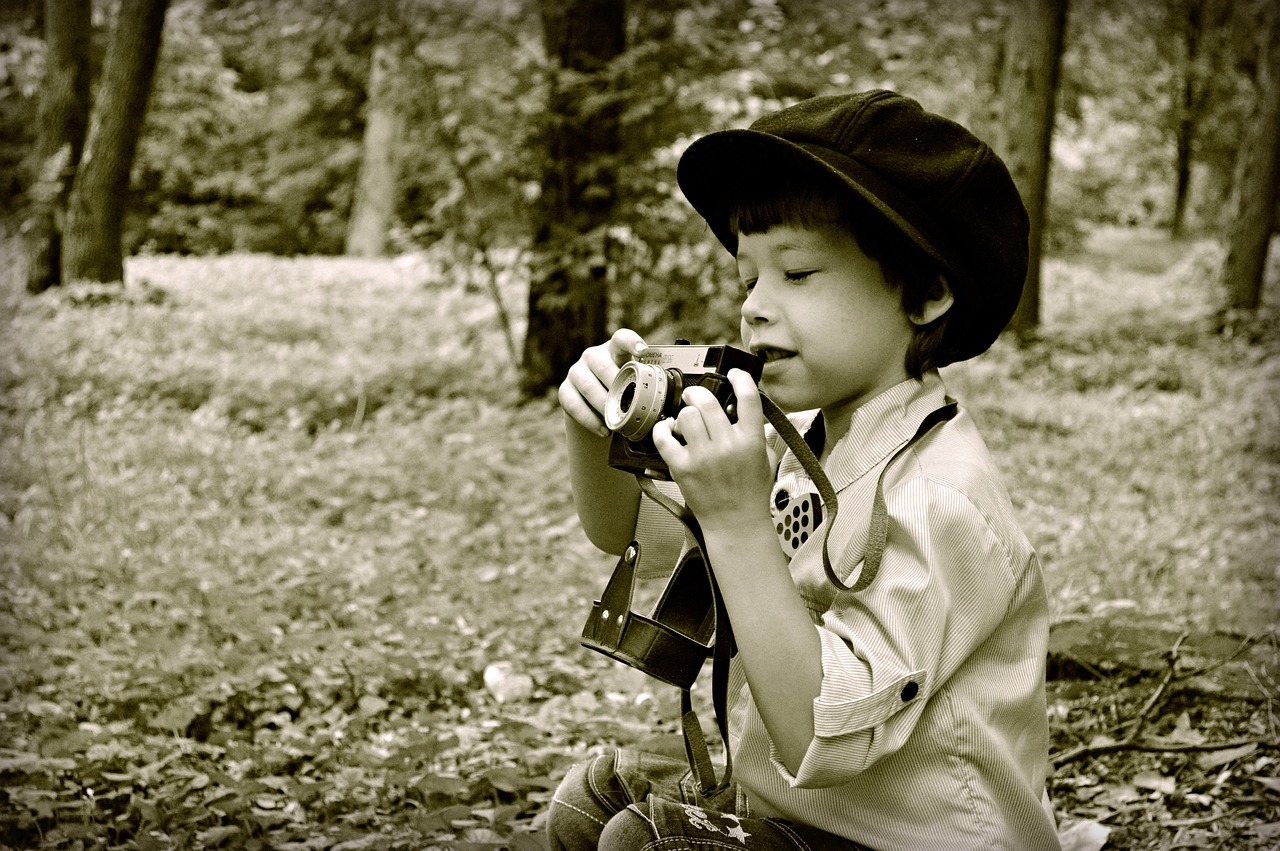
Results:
x,y
945,583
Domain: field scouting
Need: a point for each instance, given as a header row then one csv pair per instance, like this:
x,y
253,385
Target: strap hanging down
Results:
x,y
695,744
878,534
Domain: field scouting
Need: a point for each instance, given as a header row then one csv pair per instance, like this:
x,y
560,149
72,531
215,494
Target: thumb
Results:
x,y
625,344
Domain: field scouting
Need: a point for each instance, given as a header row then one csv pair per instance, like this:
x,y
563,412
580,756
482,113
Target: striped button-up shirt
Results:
x,y
930,728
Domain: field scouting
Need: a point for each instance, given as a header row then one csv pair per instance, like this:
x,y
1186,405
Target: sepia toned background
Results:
x,y
289,558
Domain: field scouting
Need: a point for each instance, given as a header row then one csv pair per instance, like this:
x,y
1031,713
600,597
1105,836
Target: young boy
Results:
x,y
876,242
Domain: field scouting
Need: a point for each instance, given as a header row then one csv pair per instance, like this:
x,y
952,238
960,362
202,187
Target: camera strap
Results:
x,y
878,533
695,744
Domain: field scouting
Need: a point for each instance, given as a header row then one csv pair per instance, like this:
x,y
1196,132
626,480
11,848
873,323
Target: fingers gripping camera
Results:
x,y
649,389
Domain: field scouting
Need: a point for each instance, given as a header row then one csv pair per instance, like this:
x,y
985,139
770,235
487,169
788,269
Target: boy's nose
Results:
x,y
755,309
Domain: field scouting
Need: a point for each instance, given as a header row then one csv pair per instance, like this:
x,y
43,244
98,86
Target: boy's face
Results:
x,y
832,330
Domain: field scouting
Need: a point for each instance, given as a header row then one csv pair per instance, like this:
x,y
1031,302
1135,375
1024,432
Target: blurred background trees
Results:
x,y
1254,191
92,227
537,139
85,140
1028,88
63,119
374,203
568,297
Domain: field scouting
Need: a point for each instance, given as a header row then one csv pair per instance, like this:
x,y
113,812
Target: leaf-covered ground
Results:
x,y
286,565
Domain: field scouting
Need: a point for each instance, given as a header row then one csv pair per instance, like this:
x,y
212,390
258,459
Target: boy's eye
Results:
x,y
798,275
749,285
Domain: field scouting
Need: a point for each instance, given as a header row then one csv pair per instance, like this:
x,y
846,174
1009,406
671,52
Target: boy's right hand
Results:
x,y
583,392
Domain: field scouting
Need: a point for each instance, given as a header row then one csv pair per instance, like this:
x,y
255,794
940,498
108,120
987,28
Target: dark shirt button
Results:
x,y
780,499
909,691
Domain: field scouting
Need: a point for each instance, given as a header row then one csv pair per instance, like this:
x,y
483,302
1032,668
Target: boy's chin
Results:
x,y
790,403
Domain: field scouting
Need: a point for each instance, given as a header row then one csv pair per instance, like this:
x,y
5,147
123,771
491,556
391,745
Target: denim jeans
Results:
x,y
633,801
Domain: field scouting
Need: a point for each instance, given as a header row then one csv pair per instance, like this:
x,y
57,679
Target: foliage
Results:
x,y
321,674
21,61
1175,795
253,138
285,566
1114,147
241,84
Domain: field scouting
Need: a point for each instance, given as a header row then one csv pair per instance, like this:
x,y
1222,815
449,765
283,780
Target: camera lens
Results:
x,y
628,396
636,399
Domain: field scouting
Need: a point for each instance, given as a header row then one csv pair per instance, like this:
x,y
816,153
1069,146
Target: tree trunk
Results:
x,y
1202,24
91,248
1028,85
1254,194
374,206
1185,110
63,117
568,296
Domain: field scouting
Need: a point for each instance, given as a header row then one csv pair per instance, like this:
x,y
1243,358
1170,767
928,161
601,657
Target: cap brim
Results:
x,y
713,169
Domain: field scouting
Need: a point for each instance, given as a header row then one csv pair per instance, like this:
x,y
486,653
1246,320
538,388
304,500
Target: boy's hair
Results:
x,y
809,201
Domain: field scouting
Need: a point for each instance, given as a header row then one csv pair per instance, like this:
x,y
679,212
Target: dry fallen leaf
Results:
x,y
1267,831
1213,759
1154,781
1084,835
1272,783
505,684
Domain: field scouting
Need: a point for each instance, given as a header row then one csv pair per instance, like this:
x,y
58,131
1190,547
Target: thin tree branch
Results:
x,y
479,237
1073,754
1171,671
1130,741
1247,643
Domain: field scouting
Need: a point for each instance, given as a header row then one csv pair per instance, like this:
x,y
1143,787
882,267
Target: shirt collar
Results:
x,y
881,425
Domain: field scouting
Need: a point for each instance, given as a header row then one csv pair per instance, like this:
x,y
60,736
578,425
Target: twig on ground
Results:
x,y
1195,822
1198,822
1245,645
1073,754
1131,742
1157,696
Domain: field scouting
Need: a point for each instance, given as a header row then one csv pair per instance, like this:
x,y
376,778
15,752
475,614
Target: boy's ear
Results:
x,y
938,303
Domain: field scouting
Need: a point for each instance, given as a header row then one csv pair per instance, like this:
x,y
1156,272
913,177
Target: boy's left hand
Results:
x,y
722,467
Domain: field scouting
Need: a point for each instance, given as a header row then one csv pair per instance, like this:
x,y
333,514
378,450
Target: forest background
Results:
x,y
288,560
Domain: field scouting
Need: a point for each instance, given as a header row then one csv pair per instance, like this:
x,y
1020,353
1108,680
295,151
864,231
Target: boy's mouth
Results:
x,y
772,355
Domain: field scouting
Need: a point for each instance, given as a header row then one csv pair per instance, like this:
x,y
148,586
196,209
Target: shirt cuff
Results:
x,y
848,717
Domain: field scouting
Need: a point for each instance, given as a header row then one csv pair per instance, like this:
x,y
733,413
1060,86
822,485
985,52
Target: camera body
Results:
x,y
649,388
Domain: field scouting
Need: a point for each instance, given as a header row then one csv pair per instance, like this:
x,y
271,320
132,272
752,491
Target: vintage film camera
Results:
x,y
673,643
648,389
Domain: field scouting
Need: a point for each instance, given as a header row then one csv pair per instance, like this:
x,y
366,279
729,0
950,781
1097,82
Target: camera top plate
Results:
x,y
701,359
